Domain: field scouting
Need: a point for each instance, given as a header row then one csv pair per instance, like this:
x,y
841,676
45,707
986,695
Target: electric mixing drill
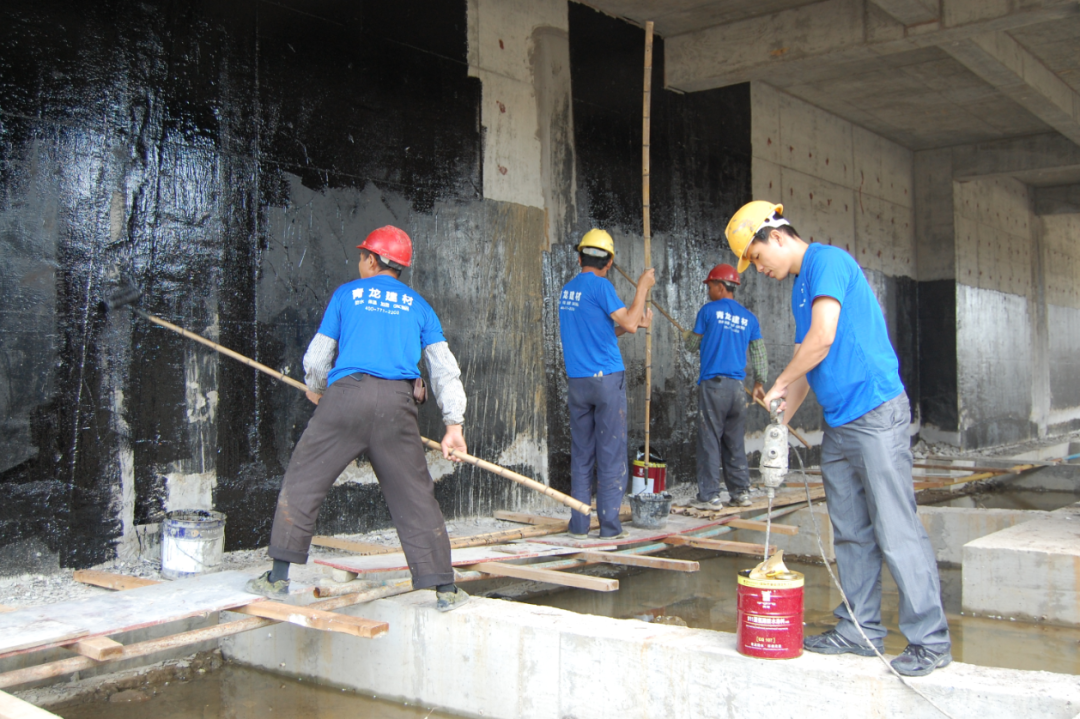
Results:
x,y
774,461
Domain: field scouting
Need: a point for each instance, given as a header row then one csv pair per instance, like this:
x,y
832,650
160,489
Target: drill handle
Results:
x,y
776,416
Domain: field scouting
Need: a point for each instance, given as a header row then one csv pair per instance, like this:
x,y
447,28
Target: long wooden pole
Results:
x,y
646,125
431,444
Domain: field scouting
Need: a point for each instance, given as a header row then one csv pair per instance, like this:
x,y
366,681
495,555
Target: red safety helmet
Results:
x,y
389,243
726,273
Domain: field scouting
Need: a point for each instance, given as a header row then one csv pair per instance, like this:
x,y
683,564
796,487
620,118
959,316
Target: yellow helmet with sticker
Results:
x,y
747,222
598,240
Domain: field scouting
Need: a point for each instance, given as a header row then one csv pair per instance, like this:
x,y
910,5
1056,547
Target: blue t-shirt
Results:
x,y
381,326
728,328
861,370
585,325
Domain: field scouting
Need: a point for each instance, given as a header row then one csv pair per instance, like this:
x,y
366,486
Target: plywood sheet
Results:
x,y
466,555
65,622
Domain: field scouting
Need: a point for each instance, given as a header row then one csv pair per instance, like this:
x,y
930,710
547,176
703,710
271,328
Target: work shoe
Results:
x,y
740,499
833,642
578,536
262,586
713,503
446,601
918,660
621,535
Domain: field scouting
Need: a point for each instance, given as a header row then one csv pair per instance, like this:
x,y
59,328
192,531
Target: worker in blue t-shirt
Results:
x,y
591,318
726,331
377,327
842,351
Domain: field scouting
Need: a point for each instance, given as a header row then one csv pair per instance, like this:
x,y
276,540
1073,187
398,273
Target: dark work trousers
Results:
x,y
598,440
721,438
376,417
866,467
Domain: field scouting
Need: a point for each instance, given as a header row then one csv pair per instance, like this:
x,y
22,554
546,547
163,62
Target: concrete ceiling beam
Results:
x,y
1025,157
793,43
910,12
1061,200
1005,64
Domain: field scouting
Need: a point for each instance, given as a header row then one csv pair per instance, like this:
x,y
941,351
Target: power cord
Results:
x,y
847,604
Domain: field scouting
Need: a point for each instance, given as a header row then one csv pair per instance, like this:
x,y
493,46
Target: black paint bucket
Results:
x,y
650,511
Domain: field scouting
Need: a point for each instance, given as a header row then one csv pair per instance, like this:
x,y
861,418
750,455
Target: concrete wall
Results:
x,y
996,332
840,185
227,160
494,658
1061,267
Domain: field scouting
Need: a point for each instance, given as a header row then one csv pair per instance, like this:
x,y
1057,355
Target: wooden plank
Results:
x,y
359,548
719,545
549,576
638,560
108,614
315,619
508,535
211,633
6,608
15,708
458,557
757,526
109,580
98,648
523,518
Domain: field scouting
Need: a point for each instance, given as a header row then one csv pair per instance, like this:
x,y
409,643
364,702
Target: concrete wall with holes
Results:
x,y
841,185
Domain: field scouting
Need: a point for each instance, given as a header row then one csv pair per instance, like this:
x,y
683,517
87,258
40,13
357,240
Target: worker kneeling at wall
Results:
x,y
725,330
591,318
378,327
842,351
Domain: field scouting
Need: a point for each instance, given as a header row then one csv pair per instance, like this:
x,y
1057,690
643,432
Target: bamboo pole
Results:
x,y
646,126
431,444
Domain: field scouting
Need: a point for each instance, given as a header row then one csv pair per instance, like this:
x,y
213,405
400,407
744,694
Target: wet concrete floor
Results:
x,y
706,599
237,692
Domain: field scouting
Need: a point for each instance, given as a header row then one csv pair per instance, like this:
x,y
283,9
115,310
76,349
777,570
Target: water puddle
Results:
x,y
237,692
706,599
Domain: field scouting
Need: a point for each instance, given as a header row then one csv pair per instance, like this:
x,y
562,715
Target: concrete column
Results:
x,y
935,250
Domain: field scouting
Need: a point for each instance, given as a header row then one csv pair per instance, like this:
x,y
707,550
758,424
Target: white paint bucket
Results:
x,y
192,542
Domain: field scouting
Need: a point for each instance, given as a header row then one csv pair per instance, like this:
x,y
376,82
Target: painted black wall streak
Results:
x,y
148,141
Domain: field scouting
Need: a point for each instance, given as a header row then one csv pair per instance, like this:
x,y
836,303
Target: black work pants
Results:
x,y
376,417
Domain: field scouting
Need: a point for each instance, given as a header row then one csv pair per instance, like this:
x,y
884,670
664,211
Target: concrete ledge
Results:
x,y
516,661
949,528
1029,571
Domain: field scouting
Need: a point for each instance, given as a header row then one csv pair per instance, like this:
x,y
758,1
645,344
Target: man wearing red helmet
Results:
x,y
377,327
726,331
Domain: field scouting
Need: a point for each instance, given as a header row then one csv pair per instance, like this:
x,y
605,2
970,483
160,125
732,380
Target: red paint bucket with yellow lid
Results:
x,y
770,615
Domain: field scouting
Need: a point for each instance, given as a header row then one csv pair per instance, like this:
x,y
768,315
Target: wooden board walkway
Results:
x,y
458,557
66,622
675,525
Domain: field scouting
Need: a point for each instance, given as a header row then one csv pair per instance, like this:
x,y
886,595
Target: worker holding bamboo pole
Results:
x,y
591,319
377,327
726,332
842,351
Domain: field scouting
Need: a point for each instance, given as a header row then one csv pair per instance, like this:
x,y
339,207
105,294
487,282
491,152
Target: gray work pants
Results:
x,y
721,438
598,439
376,417
866,466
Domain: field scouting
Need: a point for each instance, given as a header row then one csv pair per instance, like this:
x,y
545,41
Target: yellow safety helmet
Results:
x,y
746,223
599,239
